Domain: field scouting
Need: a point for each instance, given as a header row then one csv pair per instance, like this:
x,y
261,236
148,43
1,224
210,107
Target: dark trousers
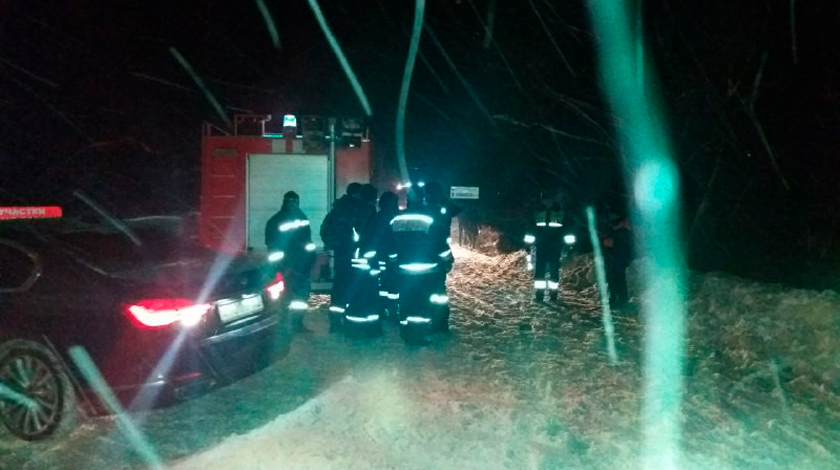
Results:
x,y
342,280
546,259
342,283
363,293
296,273
415,292
616,280
389,290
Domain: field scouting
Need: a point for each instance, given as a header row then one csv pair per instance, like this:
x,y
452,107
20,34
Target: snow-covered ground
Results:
x,y
515,385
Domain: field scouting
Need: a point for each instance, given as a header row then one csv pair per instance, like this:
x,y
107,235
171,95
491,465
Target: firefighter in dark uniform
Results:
x,y
440,207
377,244
339,232
442,210
368,195
289,241
362,290
545,234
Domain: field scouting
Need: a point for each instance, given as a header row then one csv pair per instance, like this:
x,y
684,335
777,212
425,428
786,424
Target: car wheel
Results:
x,y
37,400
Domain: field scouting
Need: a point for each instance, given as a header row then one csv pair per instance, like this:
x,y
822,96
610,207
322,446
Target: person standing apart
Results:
x,y
545,234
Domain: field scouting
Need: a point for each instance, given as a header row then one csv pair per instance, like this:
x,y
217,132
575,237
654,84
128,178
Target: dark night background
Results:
x,y
91,98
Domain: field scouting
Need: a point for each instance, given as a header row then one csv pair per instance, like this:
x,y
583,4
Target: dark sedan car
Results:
x,y
161,317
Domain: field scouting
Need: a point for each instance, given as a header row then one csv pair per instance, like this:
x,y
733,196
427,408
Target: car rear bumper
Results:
x,y
199,365
237,353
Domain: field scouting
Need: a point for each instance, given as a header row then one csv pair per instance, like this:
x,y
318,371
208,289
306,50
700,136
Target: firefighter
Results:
x,y
545,235
422,259
362,289
440,207
289,241
377,238
443,210
340,233
618,253
368,195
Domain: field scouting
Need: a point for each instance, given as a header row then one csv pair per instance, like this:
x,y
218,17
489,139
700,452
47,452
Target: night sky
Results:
x,y
91,97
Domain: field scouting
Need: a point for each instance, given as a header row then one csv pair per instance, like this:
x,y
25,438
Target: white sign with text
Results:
x,y
463,192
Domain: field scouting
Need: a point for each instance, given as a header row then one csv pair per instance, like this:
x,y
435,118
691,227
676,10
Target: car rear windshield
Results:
x,y
148,242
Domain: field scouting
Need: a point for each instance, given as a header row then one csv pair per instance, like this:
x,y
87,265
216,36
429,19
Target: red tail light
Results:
x,y
155,313
276,287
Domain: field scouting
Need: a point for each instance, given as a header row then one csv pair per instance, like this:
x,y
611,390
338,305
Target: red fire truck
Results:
x,y
245,174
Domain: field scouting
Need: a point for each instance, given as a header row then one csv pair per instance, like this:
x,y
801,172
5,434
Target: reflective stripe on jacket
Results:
x,y
545,228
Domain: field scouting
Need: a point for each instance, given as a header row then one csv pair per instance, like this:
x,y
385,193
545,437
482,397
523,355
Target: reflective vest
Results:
x,y
545,228
287,237
549,218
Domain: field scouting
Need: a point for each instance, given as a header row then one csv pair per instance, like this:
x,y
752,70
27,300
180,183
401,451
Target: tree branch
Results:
x,y
168,83
442,114
749,109
458,74
763,136
550,128
577,106
553,41
435,75
28,73
62,115
499,51
757,82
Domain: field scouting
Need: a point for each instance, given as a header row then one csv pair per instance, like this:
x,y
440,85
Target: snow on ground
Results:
x,y
515,385
525,386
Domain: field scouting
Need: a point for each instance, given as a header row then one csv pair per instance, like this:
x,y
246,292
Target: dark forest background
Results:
x,y
505,96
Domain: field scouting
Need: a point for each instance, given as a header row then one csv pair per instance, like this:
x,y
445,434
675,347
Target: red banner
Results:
x,y
30,212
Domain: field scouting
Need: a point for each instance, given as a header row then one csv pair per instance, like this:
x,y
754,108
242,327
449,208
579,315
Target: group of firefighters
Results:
x,y
362,244
361,241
